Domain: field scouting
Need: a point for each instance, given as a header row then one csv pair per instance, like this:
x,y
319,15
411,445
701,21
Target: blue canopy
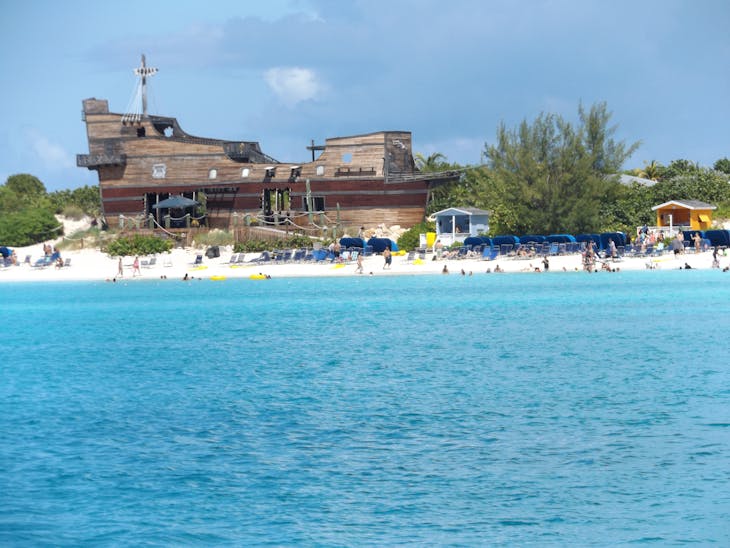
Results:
x,y
352,242
595,238
5,252
560,238
718,238
505,239
530,238
619,238
477,240
379,244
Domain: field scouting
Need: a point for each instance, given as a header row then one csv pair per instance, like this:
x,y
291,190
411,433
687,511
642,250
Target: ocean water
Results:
x,y
527,409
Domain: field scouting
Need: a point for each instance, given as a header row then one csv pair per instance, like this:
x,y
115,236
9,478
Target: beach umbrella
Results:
x,y
175,202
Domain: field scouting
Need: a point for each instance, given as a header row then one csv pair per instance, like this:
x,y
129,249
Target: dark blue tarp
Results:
x,y
379,244
718,238
560,238
619,238
477,240
532,238
595,238
347,243
505,239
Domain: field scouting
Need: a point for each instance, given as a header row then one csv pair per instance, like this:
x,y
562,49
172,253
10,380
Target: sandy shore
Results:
x,y
95,265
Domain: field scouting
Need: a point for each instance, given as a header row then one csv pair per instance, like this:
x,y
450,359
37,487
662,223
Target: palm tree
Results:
x,y
651,171
434,162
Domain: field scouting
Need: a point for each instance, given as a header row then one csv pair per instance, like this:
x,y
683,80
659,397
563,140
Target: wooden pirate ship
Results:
x,y
142,159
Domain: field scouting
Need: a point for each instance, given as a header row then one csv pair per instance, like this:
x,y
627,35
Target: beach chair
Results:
x,y
490,253
67,262
198,260
265,257
299,255
411,255
149,263
43,262
27,260
233,259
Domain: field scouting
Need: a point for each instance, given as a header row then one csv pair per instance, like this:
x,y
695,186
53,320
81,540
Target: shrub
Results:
x,y
292,242
73,212
28,226
138,245
213,237
411,238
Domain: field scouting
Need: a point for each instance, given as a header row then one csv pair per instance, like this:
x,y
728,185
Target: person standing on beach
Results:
x,y
135,267
545,263
120,268
698,242
388,258
359,263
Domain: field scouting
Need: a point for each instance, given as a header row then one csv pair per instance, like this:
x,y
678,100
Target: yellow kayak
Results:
x,y
217,278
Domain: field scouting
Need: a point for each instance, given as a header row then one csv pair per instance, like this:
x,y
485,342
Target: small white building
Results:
x,y
455,224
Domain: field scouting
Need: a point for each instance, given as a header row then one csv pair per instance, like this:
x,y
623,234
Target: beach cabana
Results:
x,y
347,243
455,224
718,238
687,214
532,238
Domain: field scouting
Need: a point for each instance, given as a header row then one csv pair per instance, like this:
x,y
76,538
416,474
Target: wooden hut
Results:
x,y
691,214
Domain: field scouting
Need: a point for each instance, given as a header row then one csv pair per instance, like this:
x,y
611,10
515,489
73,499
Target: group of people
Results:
x,y
135,268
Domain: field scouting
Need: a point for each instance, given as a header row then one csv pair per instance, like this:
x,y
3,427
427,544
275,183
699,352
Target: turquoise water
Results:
x,y
550,409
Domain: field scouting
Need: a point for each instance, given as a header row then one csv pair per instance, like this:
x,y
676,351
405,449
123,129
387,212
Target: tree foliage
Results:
x,y
723,165
554,177
85,198
26,216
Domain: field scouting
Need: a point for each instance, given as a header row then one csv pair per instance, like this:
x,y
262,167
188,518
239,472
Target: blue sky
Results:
x,y
283,72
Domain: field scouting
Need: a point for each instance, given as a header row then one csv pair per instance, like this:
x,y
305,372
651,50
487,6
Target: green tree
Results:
x,y
723,165
434,162
26,185
652,171
553,176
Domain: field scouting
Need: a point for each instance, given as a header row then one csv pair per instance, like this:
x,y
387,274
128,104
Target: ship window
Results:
x,y
320,170
213,173
270,171
141,131
347,157
159,171
317,203
245,172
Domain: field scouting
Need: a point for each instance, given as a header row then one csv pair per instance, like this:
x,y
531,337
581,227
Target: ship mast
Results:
x,y
143,71
133,114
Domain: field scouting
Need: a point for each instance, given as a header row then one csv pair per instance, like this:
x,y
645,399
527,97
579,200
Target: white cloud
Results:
x,y
293,85
52,155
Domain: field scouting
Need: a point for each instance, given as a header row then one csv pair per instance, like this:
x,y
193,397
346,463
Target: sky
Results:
x,y
284,72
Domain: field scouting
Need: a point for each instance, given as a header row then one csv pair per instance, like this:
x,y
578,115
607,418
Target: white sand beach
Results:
x,y
92,264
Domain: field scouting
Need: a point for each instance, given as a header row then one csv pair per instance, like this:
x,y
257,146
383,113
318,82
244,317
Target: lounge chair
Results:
x,y
198,260
233,259
149,264
67,262
43,262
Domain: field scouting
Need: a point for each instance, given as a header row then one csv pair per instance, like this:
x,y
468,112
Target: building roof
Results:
x,y
628,179
687,204
460,211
